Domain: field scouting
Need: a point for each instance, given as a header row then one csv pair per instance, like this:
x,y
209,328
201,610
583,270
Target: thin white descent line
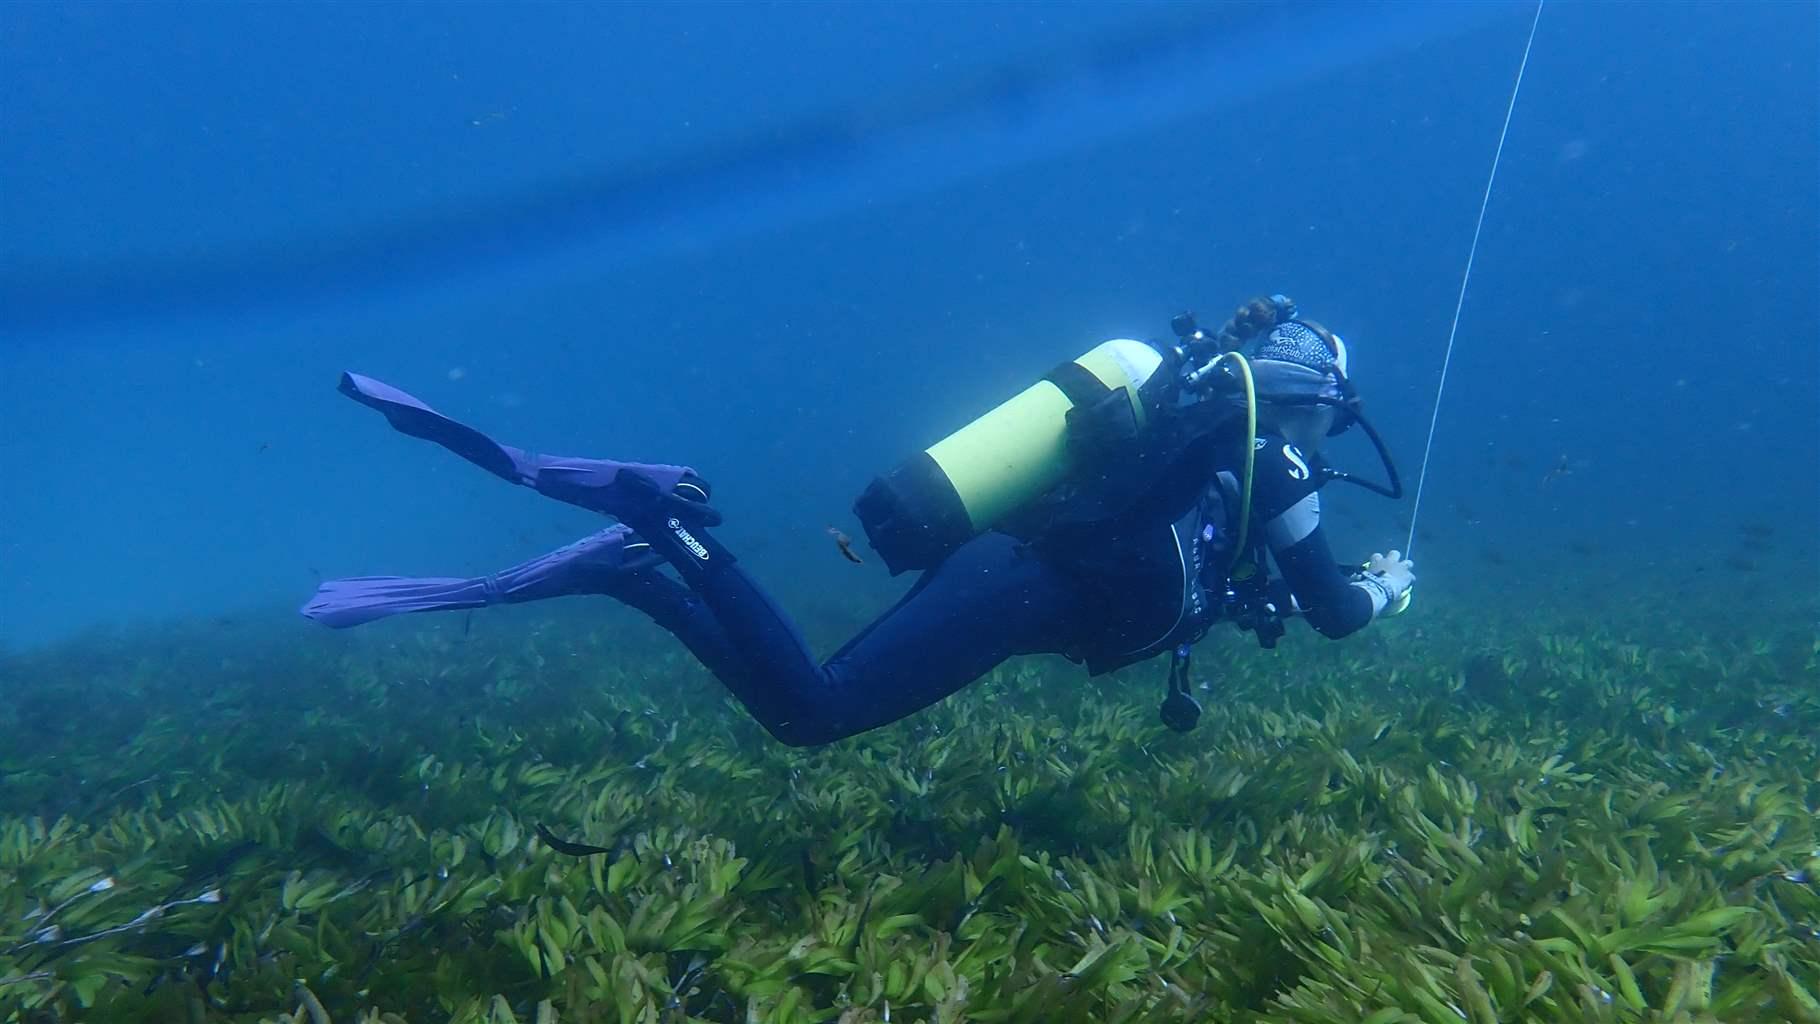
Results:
x,y
1466,280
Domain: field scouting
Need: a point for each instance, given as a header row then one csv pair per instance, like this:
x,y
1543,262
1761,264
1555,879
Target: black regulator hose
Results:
x,y
1394,490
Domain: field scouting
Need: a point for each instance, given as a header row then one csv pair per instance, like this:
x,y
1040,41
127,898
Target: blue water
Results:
x,y
788,244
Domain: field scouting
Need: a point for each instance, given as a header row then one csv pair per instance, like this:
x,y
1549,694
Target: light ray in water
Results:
x,y
816,169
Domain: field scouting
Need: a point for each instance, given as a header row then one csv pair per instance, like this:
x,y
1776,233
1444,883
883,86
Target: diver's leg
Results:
x,y
682,613
614,562
988,601
576,568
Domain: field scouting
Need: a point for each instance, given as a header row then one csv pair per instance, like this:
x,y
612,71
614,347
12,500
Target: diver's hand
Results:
x,y
1395,572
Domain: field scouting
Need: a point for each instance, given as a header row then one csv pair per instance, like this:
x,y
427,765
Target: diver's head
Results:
x,y
1302,388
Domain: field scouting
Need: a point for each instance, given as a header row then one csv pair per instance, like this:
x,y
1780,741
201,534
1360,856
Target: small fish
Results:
x,y
1757,531
970,908
565,846
216,969
845,544
1562,468
263,445
811,877
859,927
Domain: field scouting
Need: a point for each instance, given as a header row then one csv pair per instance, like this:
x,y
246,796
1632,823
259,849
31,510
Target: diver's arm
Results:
x,y
1287,497
1333,603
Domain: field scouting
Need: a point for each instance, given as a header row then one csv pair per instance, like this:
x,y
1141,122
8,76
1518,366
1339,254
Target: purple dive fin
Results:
x,y
584,567
601,485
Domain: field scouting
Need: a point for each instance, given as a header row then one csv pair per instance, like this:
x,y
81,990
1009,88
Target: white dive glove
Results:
x,y
1387,578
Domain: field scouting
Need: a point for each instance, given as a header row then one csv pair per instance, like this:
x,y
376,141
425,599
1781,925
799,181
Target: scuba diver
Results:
x,y
1114,511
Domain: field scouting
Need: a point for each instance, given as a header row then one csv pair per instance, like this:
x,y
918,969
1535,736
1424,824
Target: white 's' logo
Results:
x,y
1300,470
688,540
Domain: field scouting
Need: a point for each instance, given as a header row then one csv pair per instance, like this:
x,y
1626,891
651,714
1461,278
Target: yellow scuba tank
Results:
x,y
969,481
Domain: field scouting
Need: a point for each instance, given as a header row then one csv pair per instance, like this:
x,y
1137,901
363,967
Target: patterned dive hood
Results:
x,y
1295,362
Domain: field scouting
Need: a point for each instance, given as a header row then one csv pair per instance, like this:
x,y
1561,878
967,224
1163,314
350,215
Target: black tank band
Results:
x,y
1078,383
912,516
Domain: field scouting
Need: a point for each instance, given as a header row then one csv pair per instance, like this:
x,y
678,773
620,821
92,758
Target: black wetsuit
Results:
x,y
1286,501
1106,592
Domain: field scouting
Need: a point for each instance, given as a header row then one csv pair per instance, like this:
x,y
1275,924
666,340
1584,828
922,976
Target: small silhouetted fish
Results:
x,y
561,845
1562,468
1581,548
845,543
811,877
859,930
263,445
972,906
1758,532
